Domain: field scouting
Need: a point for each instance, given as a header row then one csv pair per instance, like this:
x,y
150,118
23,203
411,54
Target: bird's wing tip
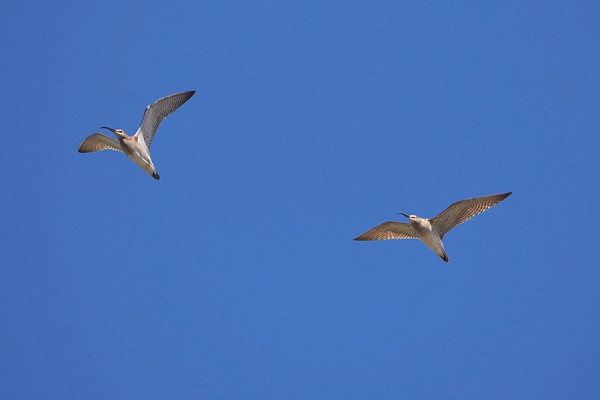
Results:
x,y
188,93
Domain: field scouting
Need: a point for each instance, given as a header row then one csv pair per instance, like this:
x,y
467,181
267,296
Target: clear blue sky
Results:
x,y
235,276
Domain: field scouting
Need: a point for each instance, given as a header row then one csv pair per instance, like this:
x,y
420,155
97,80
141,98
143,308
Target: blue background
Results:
x,y
235,276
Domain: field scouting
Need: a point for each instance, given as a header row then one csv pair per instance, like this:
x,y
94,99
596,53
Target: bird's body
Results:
x,y
426,232
431,231
137,147
135,150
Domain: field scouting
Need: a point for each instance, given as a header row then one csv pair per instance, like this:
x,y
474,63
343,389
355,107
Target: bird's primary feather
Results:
x,y
462,211
157,111
97,142
389,230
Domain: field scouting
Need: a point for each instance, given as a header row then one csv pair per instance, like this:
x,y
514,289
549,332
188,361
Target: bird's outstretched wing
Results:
x,y
157,111
97,142
389,230
462,211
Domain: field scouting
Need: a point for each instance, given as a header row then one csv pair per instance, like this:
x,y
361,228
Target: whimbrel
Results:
x,y
137,147
431,231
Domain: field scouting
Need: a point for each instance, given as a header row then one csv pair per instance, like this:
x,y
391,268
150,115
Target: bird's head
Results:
x,y
411,217
118,132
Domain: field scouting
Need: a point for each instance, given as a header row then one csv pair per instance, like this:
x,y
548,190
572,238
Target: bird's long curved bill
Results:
x,y
106,127
403,214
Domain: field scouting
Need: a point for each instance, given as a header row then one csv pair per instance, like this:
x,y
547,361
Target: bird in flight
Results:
x,y
431,231
137,147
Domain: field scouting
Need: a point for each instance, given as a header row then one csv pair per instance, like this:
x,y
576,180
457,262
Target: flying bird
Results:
x,y
431,231
137,147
